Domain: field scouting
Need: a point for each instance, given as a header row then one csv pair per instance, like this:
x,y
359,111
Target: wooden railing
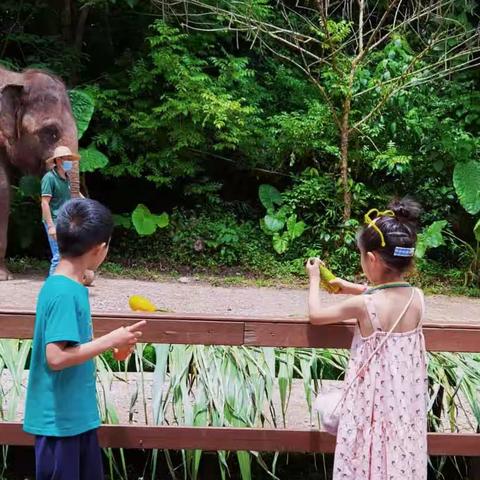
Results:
x,y
230,330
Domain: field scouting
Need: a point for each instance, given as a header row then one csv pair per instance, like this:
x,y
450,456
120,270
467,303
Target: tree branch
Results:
x,y
441,61
408,72
361,7
312,79
322,9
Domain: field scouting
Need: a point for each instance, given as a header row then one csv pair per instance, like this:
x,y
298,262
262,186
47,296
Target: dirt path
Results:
x,y
197,297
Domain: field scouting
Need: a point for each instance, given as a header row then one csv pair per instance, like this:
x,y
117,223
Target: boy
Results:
x,y
61,406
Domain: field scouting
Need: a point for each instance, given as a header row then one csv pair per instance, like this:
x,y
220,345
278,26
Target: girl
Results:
x,y
382,432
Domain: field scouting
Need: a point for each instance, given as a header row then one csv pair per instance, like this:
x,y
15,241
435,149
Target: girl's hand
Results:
x,y
343,284
347,288
313,268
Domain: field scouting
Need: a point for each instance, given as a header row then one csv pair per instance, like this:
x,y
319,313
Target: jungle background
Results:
x,y
230,152
237,138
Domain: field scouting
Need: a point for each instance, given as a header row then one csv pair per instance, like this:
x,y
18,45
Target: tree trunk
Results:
x,y
108,32
80,30
344,174
67,21
78,41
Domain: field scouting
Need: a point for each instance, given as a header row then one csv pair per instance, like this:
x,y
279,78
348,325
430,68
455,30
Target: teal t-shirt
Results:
x,y
61,403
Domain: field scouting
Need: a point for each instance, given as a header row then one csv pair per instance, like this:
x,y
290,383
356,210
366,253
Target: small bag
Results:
x,y
327,402
330,397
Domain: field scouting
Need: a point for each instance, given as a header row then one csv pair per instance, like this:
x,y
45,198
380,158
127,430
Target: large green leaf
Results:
x,y
280,242
122,220
295,229
476,231
92,159
466,178
269,196
244,462
162,220
431,237
298,229
273,223
145,222
83,105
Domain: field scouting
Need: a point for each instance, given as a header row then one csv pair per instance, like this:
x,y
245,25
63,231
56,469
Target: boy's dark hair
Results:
x,y
398,231
81,225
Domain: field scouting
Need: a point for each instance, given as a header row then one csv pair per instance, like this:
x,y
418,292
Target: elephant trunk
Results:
x,y
70,140
74,176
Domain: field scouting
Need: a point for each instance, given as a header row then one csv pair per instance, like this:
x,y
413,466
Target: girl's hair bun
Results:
x,y
406,210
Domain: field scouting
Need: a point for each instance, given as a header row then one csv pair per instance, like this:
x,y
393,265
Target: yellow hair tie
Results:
x,y
371,222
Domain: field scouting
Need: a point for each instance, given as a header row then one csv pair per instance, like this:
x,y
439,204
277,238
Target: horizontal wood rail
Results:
x,y
251,331
254,439
231,330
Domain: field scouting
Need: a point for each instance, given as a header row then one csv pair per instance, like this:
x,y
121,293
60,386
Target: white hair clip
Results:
x,y
403,252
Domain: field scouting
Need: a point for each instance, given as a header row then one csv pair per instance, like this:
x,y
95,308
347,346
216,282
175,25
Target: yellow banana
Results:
x,y
138,303
325,276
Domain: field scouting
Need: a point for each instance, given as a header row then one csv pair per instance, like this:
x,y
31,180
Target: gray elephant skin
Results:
x,y
35,117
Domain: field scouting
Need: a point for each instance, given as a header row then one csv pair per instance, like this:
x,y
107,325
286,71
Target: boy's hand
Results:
x,y
52,231
121,354
126,335
313,268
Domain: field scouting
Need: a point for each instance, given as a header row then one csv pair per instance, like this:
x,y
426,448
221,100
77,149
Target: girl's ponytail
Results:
x,y
393,233
406,211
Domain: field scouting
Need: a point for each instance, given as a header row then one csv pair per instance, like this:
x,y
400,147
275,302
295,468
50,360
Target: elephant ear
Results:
x,y
11,91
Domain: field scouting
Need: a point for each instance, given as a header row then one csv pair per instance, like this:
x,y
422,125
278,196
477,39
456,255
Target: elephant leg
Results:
x,y
4,214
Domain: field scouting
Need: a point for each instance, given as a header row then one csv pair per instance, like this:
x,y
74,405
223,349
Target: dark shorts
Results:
x,y
68,458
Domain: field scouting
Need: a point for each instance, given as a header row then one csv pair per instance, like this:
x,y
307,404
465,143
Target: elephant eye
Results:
x,y
50,134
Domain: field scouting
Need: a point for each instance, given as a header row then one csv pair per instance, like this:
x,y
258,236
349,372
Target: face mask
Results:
x,y
67,165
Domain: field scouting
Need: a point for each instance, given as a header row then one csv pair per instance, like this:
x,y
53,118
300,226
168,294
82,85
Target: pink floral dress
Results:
x,y
382,434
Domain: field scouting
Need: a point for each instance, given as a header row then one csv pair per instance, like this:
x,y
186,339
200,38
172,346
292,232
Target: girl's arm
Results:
x,y
318,315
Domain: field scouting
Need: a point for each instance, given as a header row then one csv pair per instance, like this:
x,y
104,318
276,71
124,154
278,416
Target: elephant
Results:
x,y
35,117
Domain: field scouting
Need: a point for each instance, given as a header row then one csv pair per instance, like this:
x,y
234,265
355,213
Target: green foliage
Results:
x,y
294,230
466,178
25,221
277,220
201,109
391,162
207,123
202,119
28,39
476,231
83,106
145,222
122,220
92,159
431,237
206,240
269,196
